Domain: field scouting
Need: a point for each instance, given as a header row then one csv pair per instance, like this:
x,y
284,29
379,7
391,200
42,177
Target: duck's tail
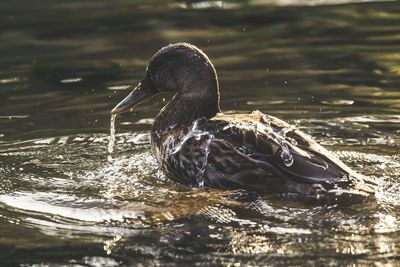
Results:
x,y
362,189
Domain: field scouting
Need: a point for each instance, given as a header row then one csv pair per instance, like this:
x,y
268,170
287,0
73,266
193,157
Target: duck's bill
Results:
x,y
138,95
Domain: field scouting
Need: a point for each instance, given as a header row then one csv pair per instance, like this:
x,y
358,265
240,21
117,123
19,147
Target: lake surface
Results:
x,y
332,70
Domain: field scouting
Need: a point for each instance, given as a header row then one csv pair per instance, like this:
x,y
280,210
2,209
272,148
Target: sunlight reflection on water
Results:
x,y
122,198
330,70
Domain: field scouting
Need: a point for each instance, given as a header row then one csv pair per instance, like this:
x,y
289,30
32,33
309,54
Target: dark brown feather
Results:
x,y
196,145
243,151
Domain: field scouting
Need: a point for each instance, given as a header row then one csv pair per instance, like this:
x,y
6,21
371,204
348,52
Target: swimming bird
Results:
x,y
196,144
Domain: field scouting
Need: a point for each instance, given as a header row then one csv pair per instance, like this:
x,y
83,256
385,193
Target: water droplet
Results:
x,y
293,141
287,158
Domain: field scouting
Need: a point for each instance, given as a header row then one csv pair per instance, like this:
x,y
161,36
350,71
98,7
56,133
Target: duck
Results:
x,y
197,145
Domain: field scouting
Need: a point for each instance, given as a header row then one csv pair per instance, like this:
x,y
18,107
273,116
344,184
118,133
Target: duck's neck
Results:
x,y
183,109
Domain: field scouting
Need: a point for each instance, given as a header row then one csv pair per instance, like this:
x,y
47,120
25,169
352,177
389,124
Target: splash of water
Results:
x,y
264,127
111,143
194,132
200,176
197,134
286,156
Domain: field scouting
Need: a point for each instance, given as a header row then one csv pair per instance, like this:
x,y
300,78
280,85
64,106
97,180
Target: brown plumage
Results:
x,y
195,144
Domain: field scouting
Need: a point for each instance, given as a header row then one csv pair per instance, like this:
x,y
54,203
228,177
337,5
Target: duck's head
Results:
x,y
181,68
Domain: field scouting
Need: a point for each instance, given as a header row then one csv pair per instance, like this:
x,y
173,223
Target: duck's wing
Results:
x,y
287,151
305,143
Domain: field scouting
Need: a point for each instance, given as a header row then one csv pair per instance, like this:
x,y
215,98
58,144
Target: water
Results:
x,y
111,142
332,71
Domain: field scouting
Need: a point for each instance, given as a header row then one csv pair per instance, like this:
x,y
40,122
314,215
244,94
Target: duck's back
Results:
x,y
255,152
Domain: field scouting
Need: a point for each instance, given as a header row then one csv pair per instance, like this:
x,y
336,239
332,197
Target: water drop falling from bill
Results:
x,y
111,143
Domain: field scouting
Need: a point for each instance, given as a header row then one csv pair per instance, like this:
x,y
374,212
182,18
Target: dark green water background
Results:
x,y
332,70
